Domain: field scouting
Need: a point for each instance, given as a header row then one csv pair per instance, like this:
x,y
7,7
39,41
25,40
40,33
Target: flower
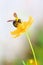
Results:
x,y
22,27
31,62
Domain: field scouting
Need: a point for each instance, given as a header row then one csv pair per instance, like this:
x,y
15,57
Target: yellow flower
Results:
x,y
22,27
30,62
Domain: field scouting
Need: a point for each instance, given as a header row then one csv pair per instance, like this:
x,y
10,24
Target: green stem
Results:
x,y
23,62
31,48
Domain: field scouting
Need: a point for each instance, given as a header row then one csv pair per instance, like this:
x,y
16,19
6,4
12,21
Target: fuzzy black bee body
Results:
x,y
15,23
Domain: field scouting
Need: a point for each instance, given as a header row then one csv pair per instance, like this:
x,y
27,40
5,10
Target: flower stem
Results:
x,y
23,62
31,48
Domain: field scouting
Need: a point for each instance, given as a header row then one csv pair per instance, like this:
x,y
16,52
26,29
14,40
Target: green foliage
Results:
x,y
39,46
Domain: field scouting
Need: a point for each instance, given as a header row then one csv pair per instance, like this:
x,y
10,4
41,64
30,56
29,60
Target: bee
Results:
x,y
16,21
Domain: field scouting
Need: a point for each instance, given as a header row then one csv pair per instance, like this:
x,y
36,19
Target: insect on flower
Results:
x,y
21,27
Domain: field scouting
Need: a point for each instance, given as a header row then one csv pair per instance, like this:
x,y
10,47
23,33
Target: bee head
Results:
x,y
14,14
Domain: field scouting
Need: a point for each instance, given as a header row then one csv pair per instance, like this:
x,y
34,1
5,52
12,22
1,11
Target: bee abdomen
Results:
x,y
15,23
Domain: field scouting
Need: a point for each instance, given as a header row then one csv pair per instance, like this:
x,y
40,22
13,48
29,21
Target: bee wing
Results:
x,y
10,20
